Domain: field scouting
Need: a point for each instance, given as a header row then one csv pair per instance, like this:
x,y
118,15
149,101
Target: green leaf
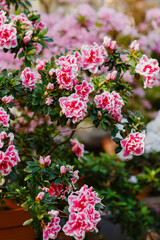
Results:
x,y
28,222
43,32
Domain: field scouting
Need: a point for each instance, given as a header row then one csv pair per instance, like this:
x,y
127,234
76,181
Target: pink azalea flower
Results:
x,y
73,107
108,43
3,18
77,148
55,190
27,36
84,90
50,86
3,5
150,81
93,56
8,160
111,76
8,99
22,18
48,101
4,117
40,25
8,36
38,47
135,45
83,216
45,161
51,229
112,102
40,196
147,67
40,63
133,145
62,170
28,78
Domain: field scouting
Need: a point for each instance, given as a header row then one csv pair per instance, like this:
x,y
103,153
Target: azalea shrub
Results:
x,y
42,106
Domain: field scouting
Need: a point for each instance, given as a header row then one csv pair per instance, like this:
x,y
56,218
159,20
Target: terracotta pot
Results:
x,y
11,225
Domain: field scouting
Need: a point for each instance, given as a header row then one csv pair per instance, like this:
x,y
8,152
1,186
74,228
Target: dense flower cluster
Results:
x,y
133,145
78,148
83,216
112,102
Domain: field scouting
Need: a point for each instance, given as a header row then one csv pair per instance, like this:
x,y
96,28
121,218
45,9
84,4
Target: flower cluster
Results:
x,y
83,216
149,68
112,102
133,145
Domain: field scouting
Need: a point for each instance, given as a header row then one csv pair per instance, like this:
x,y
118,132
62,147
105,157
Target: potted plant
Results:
x,y
41,108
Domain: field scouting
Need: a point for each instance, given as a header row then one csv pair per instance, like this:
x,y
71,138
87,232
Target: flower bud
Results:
x,y
107,41
113,75
52,71
63,170
40,196
135,45
113,45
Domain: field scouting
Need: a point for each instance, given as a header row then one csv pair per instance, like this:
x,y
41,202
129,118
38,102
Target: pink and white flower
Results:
x,y
63,170
108,43
147,67
51,229
38,47
111,76
40,25
3,18
45,161
27,36
4,117
83,216
135,45
73,107
22,18
8,36
78,148
40,64
48,101
8,160
40,196
84,90
50,86
8,99
93,56
134,144
28,78
112,102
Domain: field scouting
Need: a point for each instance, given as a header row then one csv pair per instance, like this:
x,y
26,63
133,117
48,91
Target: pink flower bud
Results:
x,y
99,114
63,170
108,77
135,45
50,86
113,75
8,99
41,161
107,41
52,71
113,45
3,135
27,37
47,160
40,196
